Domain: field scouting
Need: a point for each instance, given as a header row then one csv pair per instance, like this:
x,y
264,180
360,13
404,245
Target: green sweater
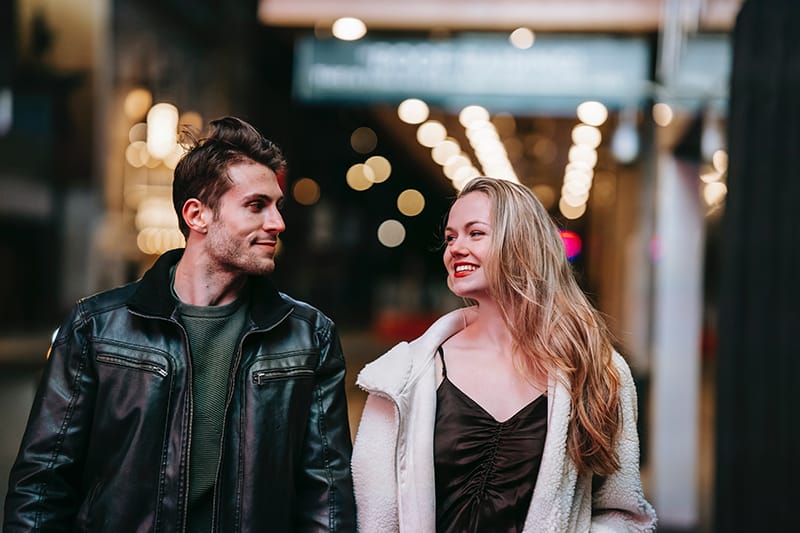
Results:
x,y
214,334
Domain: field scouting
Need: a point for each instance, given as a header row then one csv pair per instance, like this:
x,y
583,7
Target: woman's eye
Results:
x,y
449,238
475,233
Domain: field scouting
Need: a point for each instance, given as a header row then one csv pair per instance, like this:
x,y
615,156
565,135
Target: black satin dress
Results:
x,y
485,469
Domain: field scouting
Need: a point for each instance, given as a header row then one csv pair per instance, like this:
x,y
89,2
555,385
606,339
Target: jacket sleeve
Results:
x,y
44,483
374,472
325,489
618,503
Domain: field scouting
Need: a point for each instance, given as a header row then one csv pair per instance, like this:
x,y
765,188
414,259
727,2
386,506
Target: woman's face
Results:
x,y
467,238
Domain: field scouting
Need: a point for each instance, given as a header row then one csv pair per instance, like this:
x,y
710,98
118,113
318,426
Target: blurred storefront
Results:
x,y
614,113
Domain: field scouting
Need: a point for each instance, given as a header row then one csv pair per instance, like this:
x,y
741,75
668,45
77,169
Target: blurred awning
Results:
x,y
543,15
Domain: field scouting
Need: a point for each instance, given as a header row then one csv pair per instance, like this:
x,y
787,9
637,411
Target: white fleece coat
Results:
x,y
393,470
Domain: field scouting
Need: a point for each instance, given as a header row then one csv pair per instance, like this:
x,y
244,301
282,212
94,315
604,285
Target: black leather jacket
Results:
x,y
107,443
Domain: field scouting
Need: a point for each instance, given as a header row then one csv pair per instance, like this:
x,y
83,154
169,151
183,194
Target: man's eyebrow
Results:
x,y
263,197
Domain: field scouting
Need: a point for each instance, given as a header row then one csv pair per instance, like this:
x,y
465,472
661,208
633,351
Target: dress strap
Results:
x,y
440,351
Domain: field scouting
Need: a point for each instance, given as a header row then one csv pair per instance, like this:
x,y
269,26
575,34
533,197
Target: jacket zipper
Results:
x,y
264,376
123,361
191,410
231,387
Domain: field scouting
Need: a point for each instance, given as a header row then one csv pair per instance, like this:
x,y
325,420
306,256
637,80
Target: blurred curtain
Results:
x,y
758,380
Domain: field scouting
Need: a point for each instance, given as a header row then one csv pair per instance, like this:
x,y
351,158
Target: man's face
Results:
x,y
243,235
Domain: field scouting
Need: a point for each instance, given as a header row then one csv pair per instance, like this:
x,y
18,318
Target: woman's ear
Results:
x,y
195,215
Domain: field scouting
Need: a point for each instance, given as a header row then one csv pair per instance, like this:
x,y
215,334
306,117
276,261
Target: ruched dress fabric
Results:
x,y
485,470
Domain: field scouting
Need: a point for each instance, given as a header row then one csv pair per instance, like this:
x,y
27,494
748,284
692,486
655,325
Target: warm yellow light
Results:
x,y
413,111
483,136
349,28
579,176
430,133
452,165
172,160
571,212
580,153
133,154
138,132
305,191
363,140
662,114
444,150
136,103
411,202
471,113
592,113
360,177
576,189
714,193
463,176
522,38
381,168
156,212
710,177
155,241
162,130
391,233
720,161
588,135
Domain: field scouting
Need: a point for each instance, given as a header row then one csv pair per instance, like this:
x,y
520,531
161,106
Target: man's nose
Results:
x,y
274,222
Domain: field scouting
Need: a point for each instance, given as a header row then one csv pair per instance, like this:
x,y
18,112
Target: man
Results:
x,y
197,398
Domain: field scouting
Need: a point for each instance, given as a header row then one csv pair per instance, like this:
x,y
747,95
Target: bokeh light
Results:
x,y
360,177
413,111
572,243
363,140
522,38
411,202
381,168
306,191
391,233
349,28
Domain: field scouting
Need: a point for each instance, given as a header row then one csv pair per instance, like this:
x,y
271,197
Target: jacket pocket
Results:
x,y
121,355
262,377
129,363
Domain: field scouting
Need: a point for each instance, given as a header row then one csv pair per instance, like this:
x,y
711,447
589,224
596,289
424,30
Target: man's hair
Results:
x,y
203,172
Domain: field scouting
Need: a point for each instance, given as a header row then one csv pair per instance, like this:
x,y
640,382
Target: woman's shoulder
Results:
x,y
406,360
622,367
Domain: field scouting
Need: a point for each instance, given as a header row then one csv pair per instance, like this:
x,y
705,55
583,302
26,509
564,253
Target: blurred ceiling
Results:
x,y
541,15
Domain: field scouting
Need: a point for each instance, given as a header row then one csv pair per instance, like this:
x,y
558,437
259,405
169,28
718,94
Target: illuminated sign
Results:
x,y
555,74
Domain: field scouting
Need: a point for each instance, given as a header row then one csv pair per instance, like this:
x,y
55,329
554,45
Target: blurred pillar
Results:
x,y
677,311
8,50
758,434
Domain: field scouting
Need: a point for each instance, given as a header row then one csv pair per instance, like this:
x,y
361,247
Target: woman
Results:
x,y
513,414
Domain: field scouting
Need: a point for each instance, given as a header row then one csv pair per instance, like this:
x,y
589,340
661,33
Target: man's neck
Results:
x,y
198,284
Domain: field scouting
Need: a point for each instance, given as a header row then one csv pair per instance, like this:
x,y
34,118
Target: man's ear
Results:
x,y
195,214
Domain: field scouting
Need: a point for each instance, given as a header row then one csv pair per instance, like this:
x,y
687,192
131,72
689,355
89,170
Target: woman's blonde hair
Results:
x,y
554,326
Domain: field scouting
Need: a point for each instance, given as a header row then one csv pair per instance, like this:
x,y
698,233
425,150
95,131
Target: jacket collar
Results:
x,y
151,297
401,366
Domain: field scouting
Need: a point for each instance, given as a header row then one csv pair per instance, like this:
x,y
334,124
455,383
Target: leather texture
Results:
x,y
107,444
